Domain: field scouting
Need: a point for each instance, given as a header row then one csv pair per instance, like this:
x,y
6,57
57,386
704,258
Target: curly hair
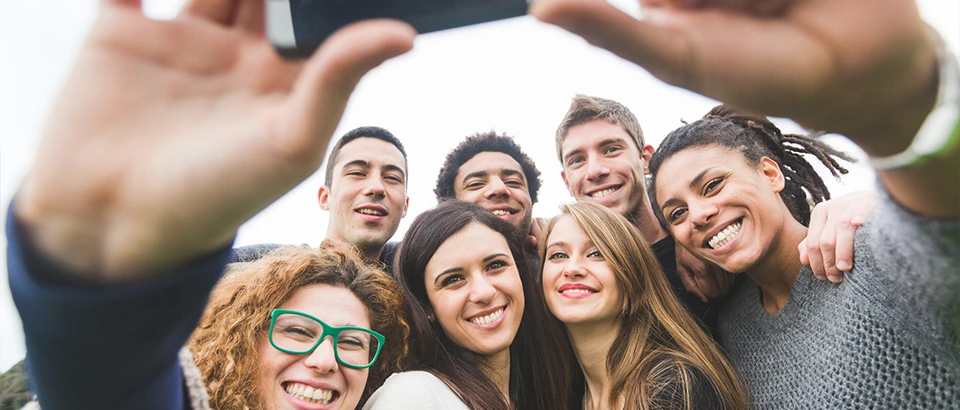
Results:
x,y
484,142
238,316
756,137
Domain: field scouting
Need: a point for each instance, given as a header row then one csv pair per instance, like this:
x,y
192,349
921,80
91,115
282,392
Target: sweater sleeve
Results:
x,y
906,265
92,346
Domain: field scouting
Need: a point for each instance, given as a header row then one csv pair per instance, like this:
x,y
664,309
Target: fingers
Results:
x,y
659,50
125,3
250,17
218,11
690,283
818,218
330,76
537,225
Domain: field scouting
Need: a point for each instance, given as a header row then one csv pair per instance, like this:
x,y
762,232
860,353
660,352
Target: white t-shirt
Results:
x,y
414,391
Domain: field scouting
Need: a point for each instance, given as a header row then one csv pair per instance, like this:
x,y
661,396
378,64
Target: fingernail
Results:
x,y
835,278
843,265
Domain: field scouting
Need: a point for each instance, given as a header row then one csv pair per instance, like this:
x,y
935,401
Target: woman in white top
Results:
x,y
469,286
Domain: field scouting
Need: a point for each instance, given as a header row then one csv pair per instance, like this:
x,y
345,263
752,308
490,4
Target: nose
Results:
x,y
573,268
495,188
596,169
702,213
482,290
374,187
322,359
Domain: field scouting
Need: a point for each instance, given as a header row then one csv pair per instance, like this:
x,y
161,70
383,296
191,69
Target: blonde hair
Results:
x,y
659,344
238,316
585,108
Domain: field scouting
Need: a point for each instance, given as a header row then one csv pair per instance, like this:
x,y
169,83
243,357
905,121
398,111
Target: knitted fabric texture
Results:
x,y
885,338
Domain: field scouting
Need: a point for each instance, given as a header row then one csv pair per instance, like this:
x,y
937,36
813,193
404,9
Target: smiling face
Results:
x,y
368,194
578,284
475,292
602,164
721,208
315,381
496,182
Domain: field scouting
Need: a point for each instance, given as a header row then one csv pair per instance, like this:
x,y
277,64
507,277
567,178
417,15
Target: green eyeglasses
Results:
x,y
296,332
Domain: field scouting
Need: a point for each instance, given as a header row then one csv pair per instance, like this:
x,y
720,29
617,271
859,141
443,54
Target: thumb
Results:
x,y
330,76
661,50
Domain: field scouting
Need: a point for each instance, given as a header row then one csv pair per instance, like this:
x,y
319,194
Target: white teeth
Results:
x,y
580,291
487,319
601,194
369,211
500,212
725,235
307,393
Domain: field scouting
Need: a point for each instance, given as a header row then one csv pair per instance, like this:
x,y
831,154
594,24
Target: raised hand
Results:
x,y
168,135
831,65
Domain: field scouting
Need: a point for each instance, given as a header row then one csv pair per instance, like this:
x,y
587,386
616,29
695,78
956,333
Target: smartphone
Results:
x,y
297,27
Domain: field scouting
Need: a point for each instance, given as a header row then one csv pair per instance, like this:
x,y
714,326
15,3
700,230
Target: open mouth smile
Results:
x,y
310,394
483,320
726,235
604,192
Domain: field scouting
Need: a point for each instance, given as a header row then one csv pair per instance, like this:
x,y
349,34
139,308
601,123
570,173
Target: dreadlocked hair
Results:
x,y
756,137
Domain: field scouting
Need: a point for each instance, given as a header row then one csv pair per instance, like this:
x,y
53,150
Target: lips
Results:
x,y
311,394
503,212
725,235
372,210
488,317
603,192
576,290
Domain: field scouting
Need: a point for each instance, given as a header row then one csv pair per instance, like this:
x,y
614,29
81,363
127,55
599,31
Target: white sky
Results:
x,y
515,76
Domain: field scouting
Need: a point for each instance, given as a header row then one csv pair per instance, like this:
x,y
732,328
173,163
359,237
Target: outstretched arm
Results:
x,y
861,68
168,135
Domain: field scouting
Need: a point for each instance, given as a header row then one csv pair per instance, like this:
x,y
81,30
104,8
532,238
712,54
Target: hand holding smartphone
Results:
x,y
297,27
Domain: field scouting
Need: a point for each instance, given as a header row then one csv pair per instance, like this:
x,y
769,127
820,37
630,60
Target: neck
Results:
x,y
592,343
644,219
497,368
778,268
370,253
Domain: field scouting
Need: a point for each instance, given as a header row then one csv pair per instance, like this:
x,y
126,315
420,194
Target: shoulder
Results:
x,y
251,253
676,383
414,390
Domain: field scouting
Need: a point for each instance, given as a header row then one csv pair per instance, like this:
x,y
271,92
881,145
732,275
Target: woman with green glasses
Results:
x,y
300,329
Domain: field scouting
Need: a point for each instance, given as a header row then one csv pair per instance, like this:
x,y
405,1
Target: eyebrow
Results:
x,y
693,185
365,164
486,259
605,142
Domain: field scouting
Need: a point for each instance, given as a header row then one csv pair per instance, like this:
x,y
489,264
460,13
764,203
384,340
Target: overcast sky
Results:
x,y
515,76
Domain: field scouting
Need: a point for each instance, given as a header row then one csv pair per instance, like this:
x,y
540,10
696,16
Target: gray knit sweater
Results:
x,y
888,337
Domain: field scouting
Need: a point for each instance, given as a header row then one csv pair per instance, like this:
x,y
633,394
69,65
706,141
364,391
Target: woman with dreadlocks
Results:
x,y
733,190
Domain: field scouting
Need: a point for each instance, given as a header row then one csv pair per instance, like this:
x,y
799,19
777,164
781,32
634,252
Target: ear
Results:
x,y
323,197
645,154
565,183
770,171
406,204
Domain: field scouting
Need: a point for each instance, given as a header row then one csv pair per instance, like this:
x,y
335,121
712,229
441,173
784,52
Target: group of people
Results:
x,y
120,237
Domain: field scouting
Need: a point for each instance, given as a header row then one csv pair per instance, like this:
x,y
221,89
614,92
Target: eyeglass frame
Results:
x,y
328,330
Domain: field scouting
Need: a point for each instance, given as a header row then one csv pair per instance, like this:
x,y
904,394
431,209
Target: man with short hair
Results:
x,y
365,191
491,170
604,157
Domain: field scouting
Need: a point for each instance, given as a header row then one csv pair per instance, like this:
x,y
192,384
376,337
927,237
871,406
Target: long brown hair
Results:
x,y
541,360
238,316
659,344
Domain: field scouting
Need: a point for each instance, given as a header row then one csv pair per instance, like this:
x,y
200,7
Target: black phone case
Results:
x,y
315,20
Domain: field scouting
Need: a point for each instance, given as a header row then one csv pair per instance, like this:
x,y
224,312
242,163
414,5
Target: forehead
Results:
x,y
568,231
467,247
677,172
334,305
490,162
593,134
378,153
